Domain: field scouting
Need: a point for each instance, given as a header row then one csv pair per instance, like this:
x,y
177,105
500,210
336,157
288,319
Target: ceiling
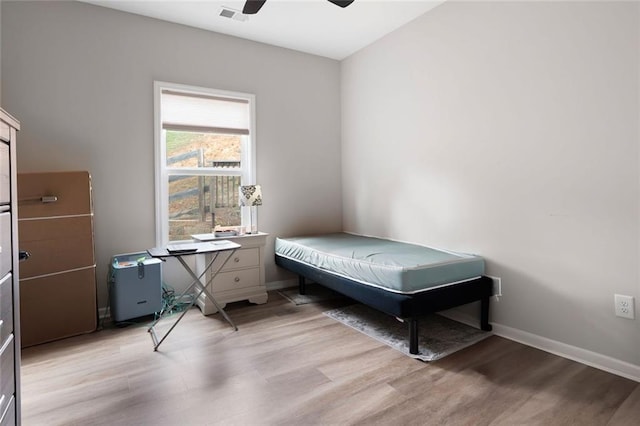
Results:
x,y
312,26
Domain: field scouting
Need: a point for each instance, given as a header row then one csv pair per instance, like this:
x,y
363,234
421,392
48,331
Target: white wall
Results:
x,y
0,52
509,129
80,79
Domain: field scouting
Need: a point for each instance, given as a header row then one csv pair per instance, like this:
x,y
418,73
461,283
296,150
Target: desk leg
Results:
x,y
197,284
153,332
203,288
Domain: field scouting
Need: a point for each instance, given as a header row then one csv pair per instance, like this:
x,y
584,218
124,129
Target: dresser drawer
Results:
x,y
5,243
236,279
9,415
7,374
5,131
6,307
243,258
5,174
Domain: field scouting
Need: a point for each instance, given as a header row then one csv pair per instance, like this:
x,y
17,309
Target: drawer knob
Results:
x,y
237,279
237,259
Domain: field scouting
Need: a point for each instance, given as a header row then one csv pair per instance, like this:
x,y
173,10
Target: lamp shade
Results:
x,y
250,195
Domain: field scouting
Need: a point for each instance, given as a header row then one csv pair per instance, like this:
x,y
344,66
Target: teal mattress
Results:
x,y
391,265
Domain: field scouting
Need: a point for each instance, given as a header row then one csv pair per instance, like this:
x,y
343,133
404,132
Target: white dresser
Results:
x,y
242,277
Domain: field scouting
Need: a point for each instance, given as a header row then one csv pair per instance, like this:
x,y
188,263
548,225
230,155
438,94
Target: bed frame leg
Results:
x,y
484,314
413,336
302,287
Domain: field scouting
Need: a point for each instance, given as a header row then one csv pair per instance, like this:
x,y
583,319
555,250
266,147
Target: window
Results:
x,y
204,150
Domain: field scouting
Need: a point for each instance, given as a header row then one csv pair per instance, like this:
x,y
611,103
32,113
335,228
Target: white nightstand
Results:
x,y
242,278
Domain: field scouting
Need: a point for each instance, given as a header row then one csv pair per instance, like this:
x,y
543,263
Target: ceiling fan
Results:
x,y
253,6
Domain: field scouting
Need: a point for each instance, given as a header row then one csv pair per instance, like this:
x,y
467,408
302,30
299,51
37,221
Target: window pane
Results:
x,y
193,198
188,149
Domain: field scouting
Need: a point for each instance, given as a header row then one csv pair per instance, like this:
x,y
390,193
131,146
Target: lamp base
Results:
x,y
253,223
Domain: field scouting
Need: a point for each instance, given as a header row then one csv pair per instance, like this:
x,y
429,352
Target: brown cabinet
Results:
x,y
57,283
9,289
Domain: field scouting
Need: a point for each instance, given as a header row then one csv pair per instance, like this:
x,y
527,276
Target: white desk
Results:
x,y
214,249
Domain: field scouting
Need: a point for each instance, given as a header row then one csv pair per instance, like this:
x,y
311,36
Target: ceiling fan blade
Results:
x,y
252,7
341,3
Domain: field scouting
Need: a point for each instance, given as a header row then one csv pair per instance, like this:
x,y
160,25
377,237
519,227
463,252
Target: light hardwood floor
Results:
x,y
292,365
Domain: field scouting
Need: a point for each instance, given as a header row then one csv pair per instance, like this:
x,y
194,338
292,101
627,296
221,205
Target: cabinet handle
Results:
x,y
43,199
237,259
237,279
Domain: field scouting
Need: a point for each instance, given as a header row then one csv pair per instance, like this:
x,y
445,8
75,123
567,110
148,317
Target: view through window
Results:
x,y
204,154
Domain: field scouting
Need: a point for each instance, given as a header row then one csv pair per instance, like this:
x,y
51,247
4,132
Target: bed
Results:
x,y
400,279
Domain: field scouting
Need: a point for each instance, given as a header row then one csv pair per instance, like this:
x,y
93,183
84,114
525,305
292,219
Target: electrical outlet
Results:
x,y
624,306
497,286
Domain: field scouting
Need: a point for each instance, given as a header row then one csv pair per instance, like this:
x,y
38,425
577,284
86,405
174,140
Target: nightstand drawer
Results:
x,y
243,258
236,279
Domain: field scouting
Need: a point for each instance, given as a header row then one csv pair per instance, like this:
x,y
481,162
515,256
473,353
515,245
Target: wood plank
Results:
x,y
628,414
291,364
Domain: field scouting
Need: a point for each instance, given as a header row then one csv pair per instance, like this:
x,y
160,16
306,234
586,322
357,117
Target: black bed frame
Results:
x,y
408,307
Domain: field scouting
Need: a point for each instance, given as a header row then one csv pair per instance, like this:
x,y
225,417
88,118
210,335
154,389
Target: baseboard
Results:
x,y
584,356
574,353
279,285
104,314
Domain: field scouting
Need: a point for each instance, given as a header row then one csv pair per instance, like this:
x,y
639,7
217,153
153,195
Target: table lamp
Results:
x,y
251,196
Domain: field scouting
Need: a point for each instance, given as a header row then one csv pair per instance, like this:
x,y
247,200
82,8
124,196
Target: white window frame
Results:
x,y
162,172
